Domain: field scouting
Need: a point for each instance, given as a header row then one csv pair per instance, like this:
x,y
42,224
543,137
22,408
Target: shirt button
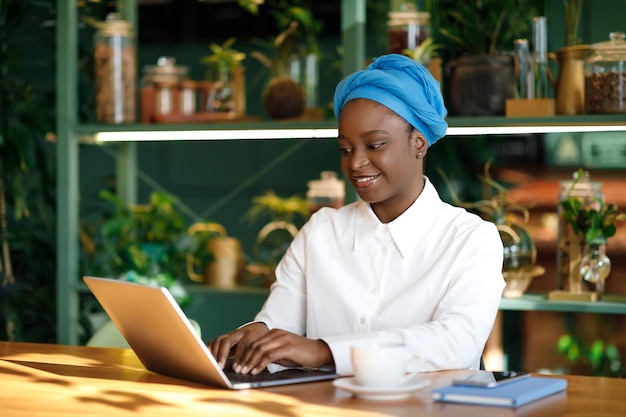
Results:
x,y
362,320
375,291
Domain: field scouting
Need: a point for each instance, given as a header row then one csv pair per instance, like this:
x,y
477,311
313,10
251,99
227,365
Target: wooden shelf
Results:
x,y
609,304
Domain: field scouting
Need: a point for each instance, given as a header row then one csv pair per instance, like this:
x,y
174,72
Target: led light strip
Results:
x,y
164,135
517,130
173,135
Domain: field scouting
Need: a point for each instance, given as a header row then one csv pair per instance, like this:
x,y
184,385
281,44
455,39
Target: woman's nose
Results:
x,y
358,160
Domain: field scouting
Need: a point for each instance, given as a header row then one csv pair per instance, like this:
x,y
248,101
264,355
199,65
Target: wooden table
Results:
x,y
54,380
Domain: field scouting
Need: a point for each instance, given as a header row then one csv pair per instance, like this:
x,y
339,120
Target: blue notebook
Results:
x,y
513,394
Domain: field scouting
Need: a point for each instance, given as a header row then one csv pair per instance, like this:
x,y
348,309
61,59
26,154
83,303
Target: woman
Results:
x,y
399,265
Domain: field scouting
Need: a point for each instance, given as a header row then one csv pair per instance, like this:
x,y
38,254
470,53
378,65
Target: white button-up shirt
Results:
x,y
431,279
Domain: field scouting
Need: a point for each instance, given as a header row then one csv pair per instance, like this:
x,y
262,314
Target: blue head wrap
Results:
x,y
402,85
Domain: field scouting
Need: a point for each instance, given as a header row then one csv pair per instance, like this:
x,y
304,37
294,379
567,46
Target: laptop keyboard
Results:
x,y
271,376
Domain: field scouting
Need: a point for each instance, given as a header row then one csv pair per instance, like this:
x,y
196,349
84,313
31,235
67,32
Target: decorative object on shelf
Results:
x,y
570,83
115,71
328,191
480,70
275,237
295,61
532,96
576,194
586,222
283,98
161,90
169,96
525,104
219,256
520,254
569,86
407,29
595,266
227,89
605,76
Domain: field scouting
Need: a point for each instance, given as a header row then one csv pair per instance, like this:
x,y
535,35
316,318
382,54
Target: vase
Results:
x,y
520,254
595,266
570,244
570,85
227,92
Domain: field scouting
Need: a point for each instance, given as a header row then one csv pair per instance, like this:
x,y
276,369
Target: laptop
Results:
x,y
165,342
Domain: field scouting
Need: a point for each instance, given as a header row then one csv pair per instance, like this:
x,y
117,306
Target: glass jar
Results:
x,y
407,28
570,246
605,76
115,71
160,87
328,191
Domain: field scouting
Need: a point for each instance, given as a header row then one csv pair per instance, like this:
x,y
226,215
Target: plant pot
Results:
x,y
479,85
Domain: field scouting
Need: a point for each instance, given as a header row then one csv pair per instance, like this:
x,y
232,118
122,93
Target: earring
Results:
x,y
419,154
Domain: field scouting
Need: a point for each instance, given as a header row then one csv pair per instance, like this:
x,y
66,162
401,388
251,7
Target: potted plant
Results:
x,y
226,75
479,38
292,88
145,243
285,215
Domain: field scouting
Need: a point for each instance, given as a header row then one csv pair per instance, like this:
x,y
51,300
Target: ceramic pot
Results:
x,y
480,84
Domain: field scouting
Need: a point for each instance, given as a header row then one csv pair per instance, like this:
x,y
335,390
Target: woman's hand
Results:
x,y
253,347
236,340
283,348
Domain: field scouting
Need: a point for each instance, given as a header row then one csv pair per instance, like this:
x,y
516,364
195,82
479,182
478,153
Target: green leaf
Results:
x,y
596,354
573,353
564,343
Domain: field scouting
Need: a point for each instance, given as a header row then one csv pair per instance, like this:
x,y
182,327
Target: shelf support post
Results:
x,y
353,16
67,174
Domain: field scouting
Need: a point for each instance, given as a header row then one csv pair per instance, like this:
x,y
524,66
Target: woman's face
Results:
x,y
380,156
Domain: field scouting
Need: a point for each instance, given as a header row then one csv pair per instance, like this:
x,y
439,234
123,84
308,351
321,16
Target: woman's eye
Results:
x,y
375,146
345,151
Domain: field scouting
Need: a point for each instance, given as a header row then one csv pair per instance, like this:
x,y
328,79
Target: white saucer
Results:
x,y
381,393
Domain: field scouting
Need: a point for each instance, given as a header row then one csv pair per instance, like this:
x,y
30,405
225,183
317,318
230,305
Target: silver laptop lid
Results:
x,y
157,330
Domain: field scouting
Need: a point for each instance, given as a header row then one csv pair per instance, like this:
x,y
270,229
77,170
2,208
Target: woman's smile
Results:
x,y
365,182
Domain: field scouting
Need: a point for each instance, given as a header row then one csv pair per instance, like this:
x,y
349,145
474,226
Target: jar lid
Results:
x,y
612,50
582,187
328,186
165,71
114,25
401,18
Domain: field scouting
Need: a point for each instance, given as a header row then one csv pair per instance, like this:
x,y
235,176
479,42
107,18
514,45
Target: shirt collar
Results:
x,y
406,230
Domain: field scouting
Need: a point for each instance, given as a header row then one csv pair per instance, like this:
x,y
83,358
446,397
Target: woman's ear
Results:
x,y
420,144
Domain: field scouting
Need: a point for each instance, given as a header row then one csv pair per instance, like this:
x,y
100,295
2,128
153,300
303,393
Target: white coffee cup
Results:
x,y
380,364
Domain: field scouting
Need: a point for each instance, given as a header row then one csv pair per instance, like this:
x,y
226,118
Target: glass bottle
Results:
x,y
570,246
605,76
595,266
115,71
